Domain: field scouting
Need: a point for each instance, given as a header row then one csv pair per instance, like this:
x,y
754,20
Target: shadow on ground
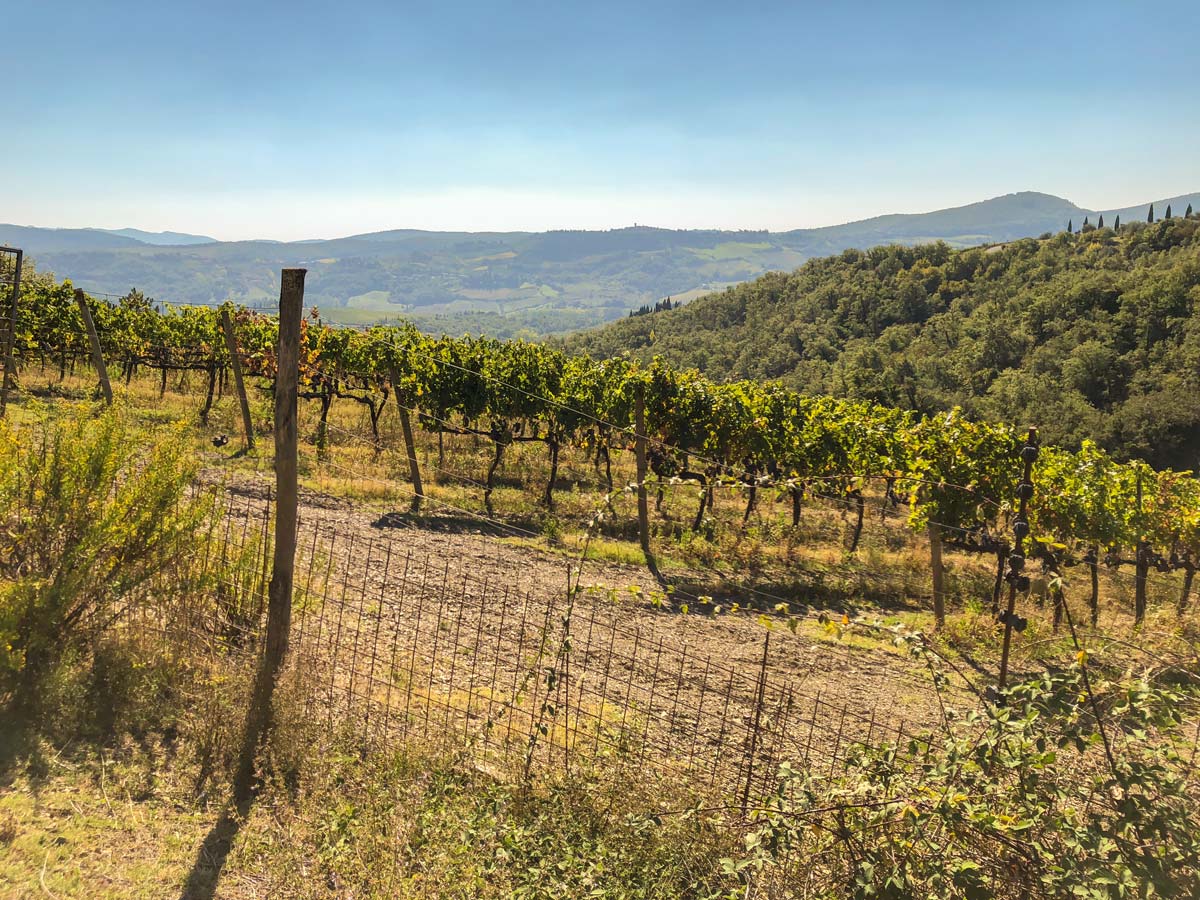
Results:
x,y
455,524
210,859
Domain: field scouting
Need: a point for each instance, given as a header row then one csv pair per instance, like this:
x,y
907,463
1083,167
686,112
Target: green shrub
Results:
x,y
92,514
1034,800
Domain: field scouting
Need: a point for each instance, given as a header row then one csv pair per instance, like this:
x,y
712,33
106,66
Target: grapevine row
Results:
x,y
949,470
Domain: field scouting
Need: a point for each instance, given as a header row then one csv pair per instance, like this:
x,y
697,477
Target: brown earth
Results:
x,y
437,622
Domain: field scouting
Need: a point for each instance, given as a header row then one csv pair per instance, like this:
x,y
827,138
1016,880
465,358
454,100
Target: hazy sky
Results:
x,y
296,119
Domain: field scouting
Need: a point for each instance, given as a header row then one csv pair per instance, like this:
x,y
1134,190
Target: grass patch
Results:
x,y
405,823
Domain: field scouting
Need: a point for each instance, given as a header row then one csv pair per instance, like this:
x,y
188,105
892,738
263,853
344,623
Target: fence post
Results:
x,y
10,336
756,723
935,564
97,354
279,593
410,447
1016,560
639,443
235,363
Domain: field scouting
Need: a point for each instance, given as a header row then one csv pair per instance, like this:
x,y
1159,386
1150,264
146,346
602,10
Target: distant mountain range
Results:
x,y
57,240
505,283
161,238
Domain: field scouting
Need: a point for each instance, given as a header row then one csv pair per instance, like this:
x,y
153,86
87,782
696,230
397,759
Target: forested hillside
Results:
x,y
1093,334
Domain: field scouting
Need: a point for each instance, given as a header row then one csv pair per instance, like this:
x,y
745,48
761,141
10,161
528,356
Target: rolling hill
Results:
x,y
1091,335
161,238
506,283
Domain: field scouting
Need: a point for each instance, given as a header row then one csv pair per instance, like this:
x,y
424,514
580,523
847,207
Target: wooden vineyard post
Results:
x,y
1141,571
1016,560
1189,573
410,447
97,353
10,335
643,501
756,723
937,570
279,592
239,384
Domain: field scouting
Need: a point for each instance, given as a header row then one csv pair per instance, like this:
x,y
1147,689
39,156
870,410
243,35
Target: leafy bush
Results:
x,y
91,516
1035,800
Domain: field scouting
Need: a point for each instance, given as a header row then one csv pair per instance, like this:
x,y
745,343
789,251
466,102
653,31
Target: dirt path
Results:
x,y
444,620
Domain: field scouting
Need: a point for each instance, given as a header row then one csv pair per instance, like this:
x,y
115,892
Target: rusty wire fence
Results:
x,y
390,645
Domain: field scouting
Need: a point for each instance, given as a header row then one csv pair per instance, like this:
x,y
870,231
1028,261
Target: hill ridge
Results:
x,y
511,283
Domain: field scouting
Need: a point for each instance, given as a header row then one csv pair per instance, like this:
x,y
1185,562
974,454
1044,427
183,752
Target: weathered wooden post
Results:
x,y
239,384
10,334
938,571
1092,560
410,447
755,723
643,501
1141,562
279,592
97,353
1189,573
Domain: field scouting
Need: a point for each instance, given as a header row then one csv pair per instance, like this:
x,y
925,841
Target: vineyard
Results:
x,y
956,479
599,452
736,607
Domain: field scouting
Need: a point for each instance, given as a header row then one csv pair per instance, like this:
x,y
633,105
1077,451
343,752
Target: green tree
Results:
x,y
1117,223
1070,226
1100,223
1150,215
1168,215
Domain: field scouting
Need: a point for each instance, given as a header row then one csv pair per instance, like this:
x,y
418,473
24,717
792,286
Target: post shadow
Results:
x,y
214,851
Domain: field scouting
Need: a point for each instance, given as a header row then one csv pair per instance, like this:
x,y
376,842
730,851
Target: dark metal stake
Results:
x,y
1016,561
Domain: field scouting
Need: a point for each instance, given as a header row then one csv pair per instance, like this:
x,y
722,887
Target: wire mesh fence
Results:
x,y
391,644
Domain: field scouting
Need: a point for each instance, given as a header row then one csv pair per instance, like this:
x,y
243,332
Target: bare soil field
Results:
x,y
430,623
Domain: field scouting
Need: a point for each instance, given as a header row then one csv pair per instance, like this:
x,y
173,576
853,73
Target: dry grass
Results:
x,y
87,828
412,822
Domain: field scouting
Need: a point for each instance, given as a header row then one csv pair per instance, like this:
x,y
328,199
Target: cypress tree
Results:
x,y
1117,224
1150,215
1187,213
1085,221
1070,226
1100,224
1168,215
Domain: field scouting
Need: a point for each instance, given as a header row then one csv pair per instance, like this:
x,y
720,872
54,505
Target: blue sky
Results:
x,y
292,120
